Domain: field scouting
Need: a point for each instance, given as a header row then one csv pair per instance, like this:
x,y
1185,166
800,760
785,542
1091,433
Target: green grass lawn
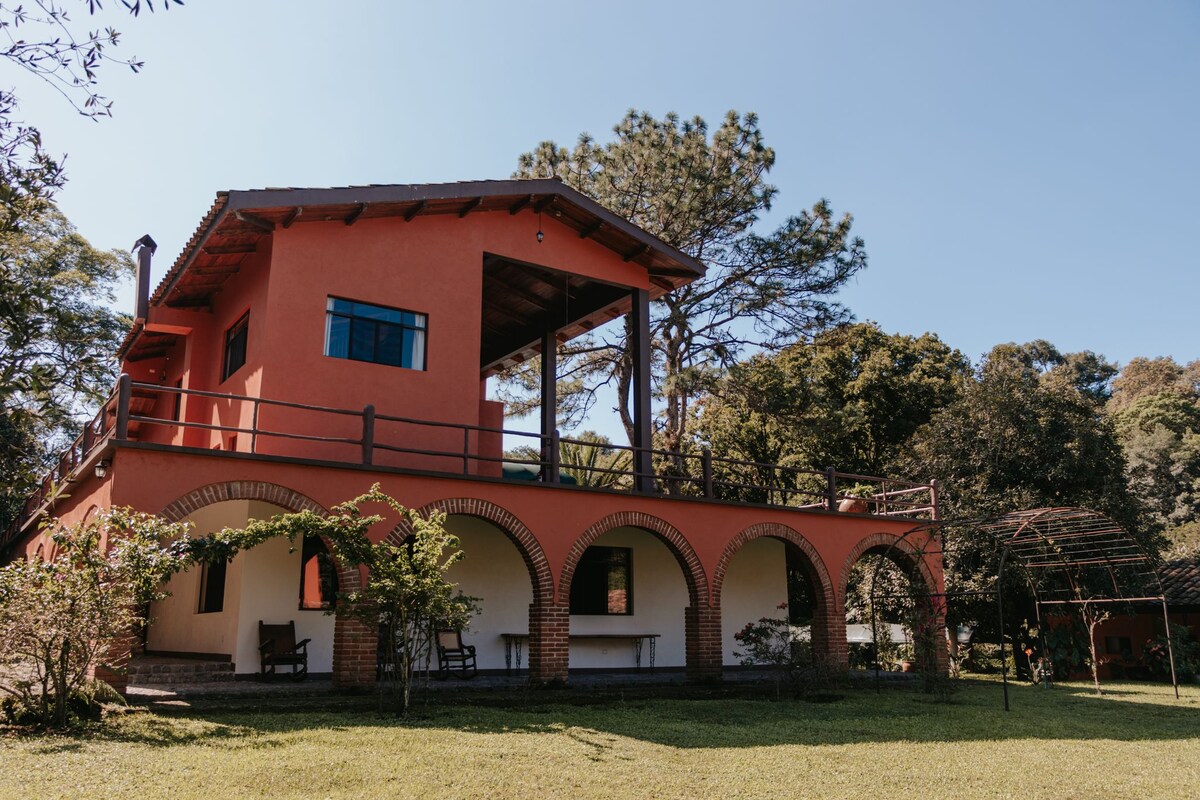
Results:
x,y
1135,742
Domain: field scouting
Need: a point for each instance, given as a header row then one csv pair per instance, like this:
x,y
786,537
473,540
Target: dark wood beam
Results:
x,y
229,249
632,254
412,212
643,424
355,214
255,221
498,308
214,270
469,207
293,216
590,229
520,292
549,409
662,283
544,203
517,206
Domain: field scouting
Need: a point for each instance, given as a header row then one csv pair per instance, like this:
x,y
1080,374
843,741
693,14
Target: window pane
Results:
x,y
377,313
380,335
337,336
389,344
414,349
362,340
603,582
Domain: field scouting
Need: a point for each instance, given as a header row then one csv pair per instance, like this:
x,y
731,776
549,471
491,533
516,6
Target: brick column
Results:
x,y
550,627
549,642
355,648
116,671
829,637
702,632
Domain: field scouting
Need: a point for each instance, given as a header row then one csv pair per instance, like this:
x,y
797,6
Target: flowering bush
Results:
x,y
786,649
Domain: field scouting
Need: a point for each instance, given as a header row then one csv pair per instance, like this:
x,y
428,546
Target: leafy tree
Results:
x,y
1024,434
1161,437
1144,377
850,398
42,39
406,593
57,337
60,619
591,460
704,196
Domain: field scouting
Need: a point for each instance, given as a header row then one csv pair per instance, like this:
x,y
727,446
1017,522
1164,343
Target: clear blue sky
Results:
x,y
1018,170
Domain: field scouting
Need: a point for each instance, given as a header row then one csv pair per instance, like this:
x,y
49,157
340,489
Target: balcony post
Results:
x,y
706,466
549,414
643,426
831,501
124,390
368,434
935,491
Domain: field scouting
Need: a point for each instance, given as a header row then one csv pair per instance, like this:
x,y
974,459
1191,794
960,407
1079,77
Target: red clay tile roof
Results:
x,y
1181,582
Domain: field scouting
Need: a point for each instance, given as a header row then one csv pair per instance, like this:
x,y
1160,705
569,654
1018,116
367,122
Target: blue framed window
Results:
x,y
380,335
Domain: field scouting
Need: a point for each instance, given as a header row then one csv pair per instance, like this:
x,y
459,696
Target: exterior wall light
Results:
x,y
101,469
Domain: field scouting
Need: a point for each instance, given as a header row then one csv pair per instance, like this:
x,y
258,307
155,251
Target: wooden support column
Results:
x,y
643,425
549,404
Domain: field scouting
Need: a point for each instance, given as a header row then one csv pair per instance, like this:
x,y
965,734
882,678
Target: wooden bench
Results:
x,y
513,641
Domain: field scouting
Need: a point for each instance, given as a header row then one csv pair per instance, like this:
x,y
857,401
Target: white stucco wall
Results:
x,y
176,625
269,578
262,583
755,585
493,571
659,599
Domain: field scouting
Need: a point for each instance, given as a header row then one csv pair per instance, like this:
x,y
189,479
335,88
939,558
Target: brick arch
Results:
x,y
827,593
880,541
349,578
518,533
676,542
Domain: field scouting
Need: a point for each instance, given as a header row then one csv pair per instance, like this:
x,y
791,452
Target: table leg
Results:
x,y
518,654
652,641
508,655
637,653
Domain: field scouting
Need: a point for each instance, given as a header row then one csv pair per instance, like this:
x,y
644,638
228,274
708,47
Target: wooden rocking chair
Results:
x,y
277,647
454,657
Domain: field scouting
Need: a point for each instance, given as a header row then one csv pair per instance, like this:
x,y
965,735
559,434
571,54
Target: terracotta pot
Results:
x,y
853,505
908,666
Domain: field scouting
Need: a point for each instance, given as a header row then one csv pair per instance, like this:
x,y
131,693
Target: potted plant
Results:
x,y
855,499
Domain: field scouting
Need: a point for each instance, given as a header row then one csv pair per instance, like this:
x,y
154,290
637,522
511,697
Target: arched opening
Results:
x,y
495,572
636,597
213,609
771,571
892,620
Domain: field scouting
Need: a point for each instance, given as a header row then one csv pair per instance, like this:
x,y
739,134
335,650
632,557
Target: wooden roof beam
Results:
x,y
662,283
411,214
543,204
590,229
517,206
632,254
521,292
353,216
255,221
470,206
229,249
292,216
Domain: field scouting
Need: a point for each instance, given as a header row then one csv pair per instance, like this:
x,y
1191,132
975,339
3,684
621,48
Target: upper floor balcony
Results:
x,y
147,415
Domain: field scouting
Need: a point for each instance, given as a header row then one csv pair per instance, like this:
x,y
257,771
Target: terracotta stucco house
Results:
x,y
308,343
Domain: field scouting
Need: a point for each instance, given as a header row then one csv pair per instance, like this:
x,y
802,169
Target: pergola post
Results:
x,y
643,426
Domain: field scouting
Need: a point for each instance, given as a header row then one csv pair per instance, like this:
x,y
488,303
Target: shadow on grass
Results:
x,y
715,717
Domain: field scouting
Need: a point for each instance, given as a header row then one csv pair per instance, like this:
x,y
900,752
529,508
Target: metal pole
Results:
x,y
1000,610
1170,649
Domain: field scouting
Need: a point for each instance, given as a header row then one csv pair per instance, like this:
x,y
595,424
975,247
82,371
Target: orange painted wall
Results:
x,y
556,516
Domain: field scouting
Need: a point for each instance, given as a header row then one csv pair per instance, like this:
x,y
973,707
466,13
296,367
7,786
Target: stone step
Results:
x,y
179,672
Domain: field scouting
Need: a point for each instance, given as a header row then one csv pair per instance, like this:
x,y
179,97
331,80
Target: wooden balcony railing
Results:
x,y
262,426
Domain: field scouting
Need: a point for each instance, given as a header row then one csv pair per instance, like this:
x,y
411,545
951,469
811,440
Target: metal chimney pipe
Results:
x,y
144,247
